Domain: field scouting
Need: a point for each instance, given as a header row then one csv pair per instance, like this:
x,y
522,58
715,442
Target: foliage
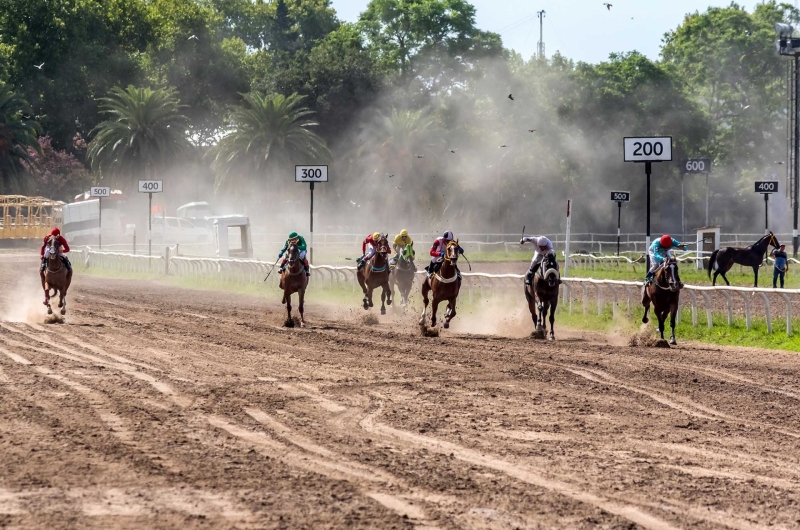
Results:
x,y
17,142
267,131
56,174
144,133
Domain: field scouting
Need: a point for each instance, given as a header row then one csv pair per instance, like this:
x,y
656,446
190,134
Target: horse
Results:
x,y
403,274
543,294
294,280
56,277
445,285
664,292
723,259
376,274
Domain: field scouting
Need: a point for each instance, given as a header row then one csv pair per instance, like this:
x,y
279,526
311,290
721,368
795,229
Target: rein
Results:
x,y
667,288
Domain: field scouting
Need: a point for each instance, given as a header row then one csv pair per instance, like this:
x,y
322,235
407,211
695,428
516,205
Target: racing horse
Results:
x,y
56,277
723,259
445,285
294,280
664,292
543,295
376,274
403,274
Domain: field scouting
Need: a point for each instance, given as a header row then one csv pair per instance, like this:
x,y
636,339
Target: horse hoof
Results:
x,y
447,325
366,307
673,341
383,311
49,310
645,320
551,337
388,302
64,311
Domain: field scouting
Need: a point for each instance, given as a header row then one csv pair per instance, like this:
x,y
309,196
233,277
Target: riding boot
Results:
x,y
307,267
649,277
529,276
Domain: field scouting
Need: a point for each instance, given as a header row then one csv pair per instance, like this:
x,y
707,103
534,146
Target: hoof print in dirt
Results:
x,y
369,320
293,322
54,319
538,335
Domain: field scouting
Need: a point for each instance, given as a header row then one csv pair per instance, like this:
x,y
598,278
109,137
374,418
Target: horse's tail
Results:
x,y
711,262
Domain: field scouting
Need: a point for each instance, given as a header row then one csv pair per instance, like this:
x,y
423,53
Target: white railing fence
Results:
x,y
719,302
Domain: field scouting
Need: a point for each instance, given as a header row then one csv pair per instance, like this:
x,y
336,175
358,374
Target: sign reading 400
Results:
x,y
651,149
151,186
311,173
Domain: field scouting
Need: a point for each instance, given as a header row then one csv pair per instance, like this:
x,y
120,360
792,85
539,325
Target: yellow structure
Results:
x,y
28,217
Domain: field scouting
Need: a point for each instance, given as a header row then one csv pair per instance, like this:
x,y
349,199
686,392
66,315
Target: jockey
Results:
x,y
437,253
400,241
295,239
659,252
368,249
544,247
63,247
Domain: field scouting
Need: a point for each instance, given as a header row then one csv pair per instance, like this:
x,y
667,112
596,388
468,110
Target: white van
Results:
x,y
179,230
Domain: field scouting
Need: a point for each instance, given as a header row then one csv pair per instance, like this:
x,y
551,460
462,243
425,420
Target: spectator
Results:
x,y
780,265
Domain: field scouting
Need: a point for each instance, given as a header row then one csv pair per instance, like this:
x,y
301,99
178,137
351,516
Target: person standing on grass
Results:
x,y
779,266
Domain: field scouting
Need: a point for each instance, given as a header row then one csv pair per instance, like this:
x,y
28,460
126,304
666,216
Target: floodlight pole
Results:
x,y
796,198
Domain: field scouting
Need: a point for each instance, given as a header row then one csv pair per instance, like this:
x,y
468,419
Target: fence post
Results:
x,y
766,310
166,261
788,313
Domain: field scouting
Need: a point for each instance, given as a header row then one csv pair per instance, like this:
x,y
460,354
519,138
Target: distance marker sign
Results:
x,y
649,149
99,191
151,186
696,165
311,173
621,196
766,186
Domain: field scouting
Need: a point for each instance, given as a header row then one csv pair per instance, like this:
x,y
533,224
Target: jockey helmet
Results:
x,y
665,241
293,235
376,236
55,232
448,236
404,232
544,242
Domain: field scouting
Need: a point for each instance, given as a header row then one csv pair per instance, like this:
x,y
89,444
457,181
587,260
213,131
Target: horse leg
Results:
x,y
662,317
553,306
426,288
434,308
646,304
755,273
363,283
62,301
389,290
288,298
723,277
301,294
383,299
450,314
673,310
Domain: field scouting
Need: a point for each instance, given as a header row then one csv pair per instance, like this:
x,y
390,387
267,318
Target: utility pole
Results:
x,y
540,46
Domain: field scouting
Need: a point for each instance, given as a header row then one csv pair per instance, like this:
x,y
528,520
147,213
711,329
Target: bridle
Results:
x,y
672,281
451,252
294,256
382,248
54,256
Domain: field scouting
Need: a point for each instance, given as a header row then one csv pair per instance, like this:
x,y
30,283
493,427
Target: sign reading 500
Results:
x,y
311,173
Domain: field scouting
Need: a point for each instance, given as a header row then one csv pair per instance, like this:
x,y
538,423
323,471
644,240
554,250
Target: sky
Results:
x,y
583,30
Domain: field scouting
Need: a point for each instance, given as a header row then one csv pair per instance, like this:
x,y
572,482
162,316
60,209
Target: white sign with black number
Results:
x,y
96,191
151,186
311,173
621,196
655,149
767,186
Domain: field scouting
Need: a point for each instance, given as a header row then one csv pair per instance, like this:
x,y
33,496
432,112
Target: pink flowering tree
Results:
x,y
58,174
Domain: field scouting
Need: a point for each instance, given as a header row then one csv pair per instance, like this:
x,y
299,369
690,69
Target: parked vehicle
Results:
x,y
177,230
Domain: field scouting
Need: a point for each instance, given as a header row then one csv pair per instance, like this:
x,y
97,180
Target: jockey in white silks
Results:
x,y
543,247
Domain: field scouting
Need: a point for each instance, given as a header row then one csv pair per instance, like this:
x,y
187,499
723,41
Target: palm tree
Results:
x,y
267,131
145,131
18,134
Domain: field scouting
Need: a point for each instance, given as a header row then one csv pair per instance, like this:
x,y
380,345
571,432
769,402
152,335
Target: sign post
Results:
x,y
694,166
647,150
312,175
566,238
100,192
765,187
150,187
620,197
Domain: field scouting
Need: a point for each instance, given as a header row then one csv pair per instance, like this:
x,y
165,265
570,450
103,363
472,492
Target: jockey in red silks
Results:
x,y
368,249
63,248
438,250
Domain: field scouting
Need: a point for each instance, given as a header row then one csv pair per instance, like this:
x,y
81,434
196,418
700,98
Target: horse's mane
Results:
x,y
765,239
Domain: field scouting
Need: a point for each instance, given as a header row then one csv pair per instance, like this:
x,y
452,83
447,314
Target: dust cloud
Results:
x,y
23,300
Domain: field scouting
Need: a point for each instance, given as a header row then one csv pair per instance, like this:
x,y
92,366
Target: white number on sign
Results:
x,y
766,186
696,165
619,196
99,192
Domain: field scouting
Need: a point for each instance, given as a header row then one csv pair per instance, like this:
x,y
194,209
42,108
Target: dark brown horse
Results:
x,y
376,274
294,280
543,295
445,285
664,292
56,277
723,259
403,274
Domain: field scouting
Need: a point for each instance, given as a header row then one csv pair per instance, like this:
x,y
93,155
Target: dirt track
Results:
x,y
168,408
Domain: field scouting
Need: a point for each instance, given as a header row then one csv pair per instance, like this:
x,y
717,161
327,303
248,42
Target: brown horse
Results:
x,y
445,285
664,292
294,280
403,274
376,274
723,259
543,295
56,277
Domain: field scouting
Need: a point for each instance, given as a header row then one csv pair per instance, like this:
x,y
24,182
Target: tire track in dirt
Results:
x,y
679,403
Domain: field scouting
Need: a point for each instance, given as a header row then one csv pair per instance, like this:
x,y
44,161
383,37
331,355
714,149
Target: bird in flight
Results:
x,y
420,156
780,163
608,6
390,176
511,97
531,130
39,66
502,146
193,37
453,150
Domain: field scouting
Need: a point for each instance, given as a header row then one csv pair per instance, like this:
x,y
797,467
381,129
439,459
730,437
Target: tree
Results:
x,y
56,174
267,131
145,132
17,140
